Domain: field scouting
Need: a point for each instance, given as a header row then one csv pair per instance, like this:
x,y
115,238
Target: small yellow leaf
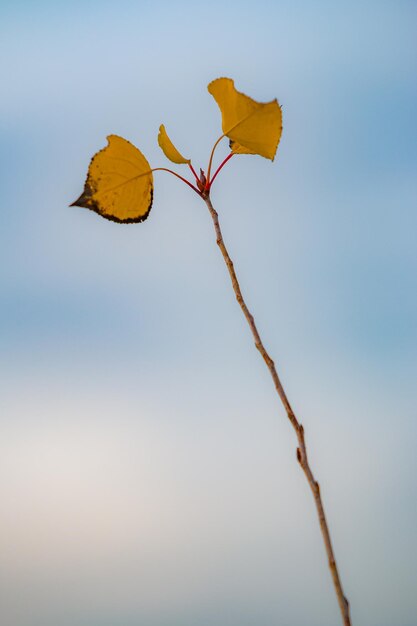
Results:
x,y
168,147
119,183
253,127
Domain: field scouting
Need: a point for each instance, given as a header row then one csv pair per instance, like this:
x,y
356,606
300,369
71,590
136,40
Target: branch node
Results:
x,y
299,455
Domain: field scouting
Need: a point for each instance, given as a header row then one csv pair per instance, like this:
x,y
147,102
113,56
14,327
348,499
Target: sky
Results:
x,y
147,469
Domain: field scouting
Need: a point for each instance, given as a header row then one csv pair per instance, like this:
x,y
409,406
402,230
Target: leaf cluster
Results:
x,y
119,184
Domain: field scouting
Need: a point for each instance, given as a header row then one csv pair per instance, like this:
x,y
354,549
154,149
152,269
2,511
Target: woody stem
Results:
x,y
298,428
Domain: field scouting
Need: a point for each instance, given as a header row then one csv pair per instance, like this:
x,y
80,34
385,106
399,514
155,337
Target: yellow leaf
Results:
x,y
168,147
253,127
119,183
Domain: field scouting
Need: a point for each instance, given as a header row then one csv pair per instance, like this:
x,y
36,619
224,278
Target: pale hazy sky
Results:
x,y
147,470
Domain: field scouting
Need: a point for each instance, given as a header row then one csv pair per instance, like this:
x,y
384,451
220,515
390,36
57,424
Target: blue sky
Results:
x,y
148,472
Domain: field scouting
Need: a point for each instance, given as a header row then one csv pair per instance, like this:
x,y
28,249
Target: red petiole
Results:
x,y
184,180
199,181
193,171
222,164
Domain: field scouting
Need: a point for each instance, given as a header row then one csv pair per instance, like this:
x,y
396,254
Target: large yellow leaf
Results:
x,y
119,183
253,127
168,147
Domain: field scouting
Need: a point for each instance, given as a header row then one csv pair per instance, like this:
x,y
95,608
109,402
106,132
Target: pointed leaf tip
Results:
x,y
252,127
169,149
119,183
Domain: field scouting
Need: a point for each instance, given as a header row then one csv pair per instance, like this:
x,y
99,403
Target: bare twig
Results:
x,y
299,430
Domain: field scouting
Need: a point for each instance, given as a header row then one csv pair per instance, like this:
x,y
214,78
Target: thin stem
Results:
x,y
299,430
222,164
211,160
184,180
193,171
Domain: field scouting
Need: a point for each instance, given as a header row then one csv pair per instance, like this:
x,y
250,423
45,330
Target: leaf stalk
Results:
x,y
184,180
222,164
211,161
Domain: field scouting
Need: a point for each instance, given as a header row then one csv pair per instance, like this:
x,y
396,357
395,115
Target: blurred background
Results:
x,y
147,469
